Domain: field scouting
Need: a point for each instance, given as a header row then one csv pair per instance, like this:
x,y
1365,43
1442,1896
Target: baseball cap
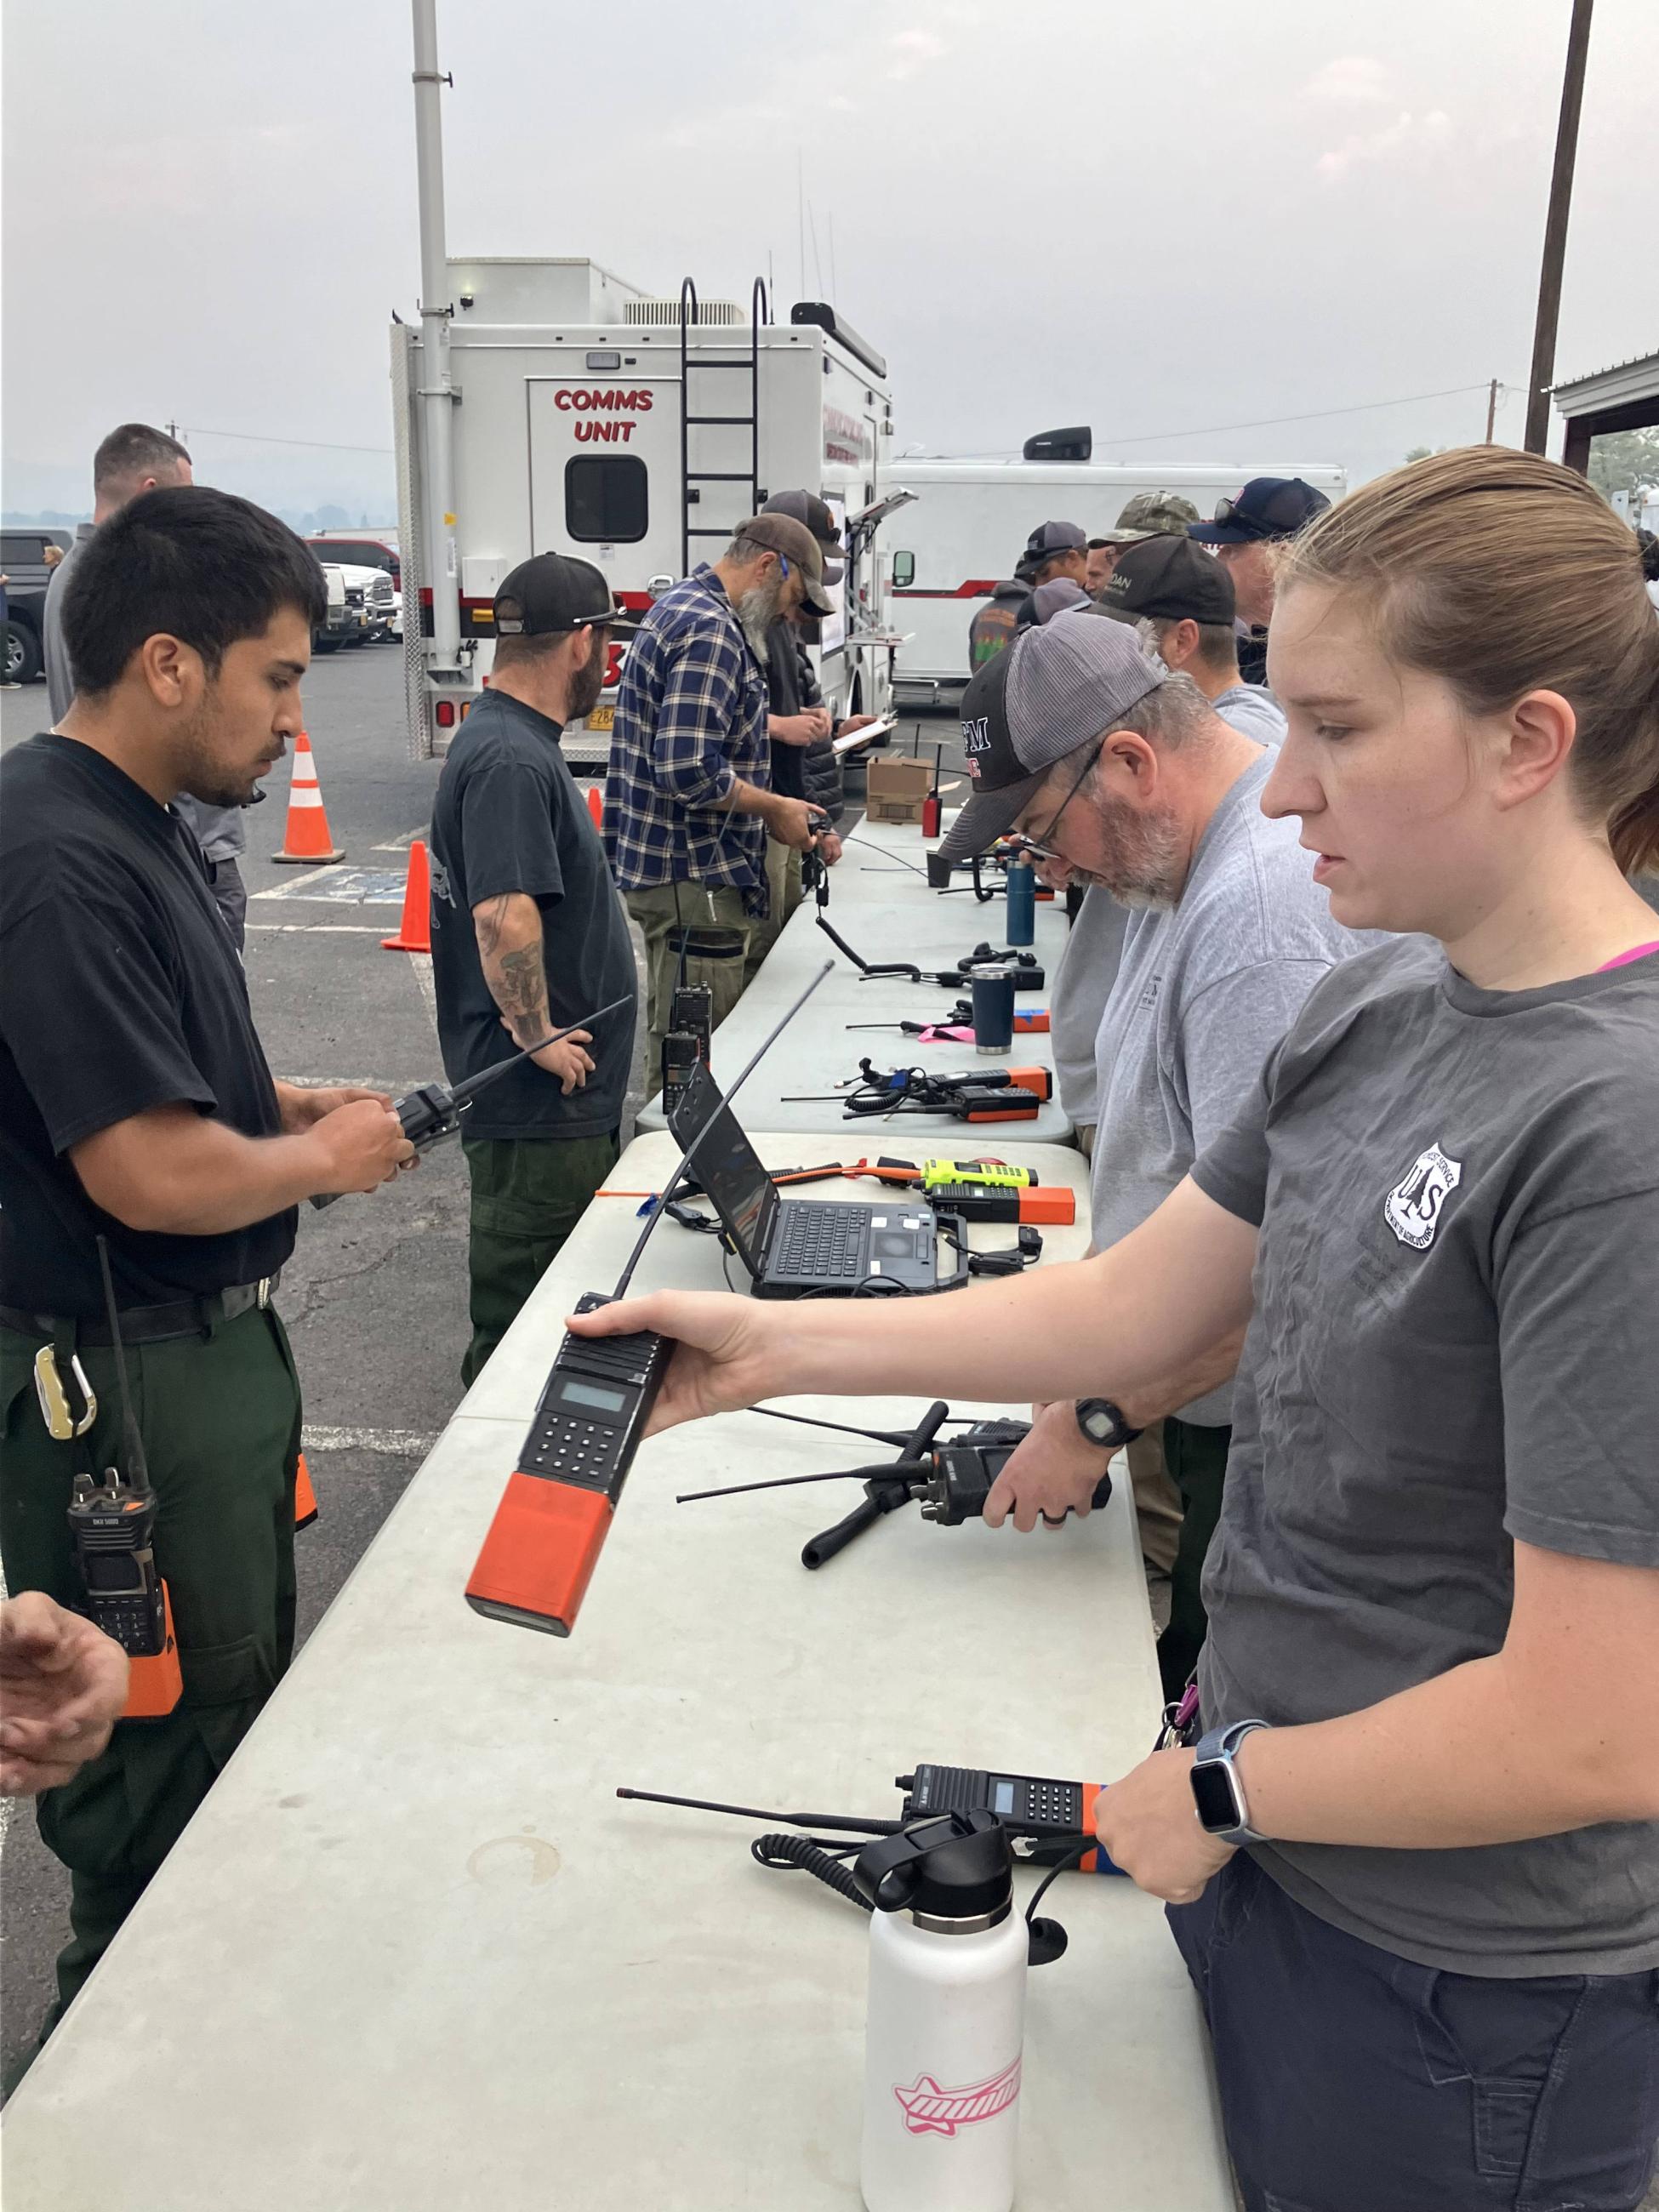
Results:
x,y
1059,594
1054,688
1169,579
1151,514
1049,540
552,593
1268,506
782,534
806,508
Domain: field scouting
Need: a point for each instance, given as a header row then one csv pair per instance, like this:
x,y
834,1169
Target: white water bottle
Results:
x,y
946,2019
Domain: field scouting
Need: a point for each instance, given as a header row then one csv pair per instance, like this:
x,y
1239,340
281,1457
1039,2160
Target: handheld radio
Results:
x,y
690,1021
550,1527
112,1529
433,1111
1045,1819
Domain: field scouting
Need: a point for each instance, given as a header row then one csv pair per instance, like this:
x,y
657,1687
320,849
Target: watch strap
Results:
x,y
1220,1746
1126,1432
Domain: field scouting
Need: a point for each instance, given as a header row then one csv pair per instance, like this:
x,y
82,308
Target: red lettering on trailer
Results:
x,y
608,434
578,399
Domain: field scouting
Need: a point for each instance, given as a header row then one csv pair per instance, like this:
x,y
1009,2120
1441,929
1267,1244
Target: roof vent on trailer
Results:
x,y
1076,444
667,312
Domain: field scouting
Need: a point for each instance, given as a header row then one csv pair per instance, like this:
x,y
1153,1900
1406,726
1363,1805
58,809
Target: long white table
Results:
x,y
414,1956
886,912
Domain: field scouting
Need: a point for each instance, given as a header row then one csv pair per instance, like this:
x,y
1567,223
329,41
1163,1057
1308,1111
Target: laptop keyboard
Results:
x,y
821,1243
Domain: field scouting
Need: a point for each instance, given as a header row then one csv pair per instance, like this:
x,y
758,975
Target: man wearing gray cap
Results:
x,y
1078,740
689,800
1053,550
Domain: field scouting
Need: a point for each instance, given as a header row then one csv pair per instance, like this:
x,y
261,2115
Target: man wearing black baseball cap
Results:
x,y
1181,600
1269,511
528,935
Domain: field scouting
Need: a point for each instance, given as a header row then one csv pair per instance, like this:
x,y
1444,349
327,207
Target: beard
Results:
x,y
1141,865
758,610
588,682
203,774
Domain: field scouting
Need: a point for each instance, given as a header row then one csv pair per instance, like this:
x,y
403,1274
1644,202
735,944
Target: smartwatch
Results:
x,y
1102,1424
1217,1787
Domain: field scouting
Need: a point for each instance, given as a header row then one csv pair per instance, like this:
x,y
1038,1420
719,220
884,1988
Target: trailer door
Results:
x,y
605,455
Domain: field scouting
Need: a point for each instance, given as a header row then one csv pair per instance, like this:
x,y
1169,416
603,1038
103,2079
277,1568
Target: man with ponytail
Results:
x,y
1412,1860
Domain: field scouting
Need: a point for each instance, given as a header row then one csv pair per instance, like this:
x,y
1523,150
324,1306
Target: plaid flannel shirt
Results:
x,y
691,721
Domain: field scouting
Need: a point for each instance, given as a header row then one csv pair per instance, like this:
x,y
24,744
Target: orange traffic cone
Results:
x,y
305,1498
306,840
415,929
596,805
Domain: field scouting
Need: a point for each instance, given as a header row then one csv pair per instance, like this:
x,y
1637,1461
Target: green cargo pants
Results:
x,y
1197,1461
528,1194
220,1418
717,932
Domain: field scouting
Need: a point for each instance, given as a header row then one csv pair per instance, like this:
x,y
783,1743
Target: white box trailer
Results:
x,y
592,418
971,519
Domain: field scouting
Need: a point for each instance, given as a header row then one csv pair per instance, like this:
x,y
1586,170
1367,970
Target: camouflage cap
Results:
x,y
1152,514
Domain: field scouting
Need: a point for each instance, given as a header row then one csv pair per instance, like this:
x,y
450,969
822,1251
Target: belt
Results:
x,y
152,1324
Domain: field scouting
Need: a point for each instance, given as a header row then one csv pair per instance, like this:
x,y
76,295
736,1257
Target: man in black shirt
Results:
x,y
528,936
136,1105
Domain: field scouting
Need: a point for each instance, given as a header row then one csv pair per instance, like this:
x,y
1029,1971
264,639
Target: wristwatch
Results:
x,y
1104,1424
1217,1787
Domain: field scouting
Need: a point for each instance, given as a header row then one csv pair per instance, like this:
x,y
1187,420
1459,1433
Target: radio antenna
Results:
x,y
695,1146
137,1469
837,1821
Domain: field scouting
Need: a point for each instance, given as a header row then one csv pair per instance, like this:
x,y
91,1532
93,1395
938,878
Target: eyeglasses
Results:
x,y
1228,510
1040,846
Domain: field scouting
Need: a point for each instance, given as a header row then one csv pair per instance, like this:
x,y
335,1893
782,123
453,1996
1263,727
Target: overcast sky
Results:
x,y
1163,219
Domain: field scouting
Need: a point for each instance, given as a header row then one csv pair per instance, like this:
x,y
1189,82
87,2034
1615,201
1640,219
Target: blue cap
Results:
x,y
1267,507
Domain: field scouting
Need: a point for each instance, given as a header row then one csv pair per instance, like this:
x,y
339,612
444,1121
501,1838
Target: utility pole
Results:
x,y
1492,408
173,431
435,392
1555,231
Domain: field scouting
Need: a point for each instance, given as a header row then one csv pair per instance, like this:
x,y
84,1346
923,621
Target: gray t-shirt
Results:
x,y
1204,992
220,831
1088,965
1454,1345
1253,709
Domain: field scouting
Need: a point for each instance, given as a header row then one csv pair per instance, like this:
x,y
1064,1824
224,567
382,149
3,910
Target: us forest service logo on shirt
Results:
x,y
1414,1206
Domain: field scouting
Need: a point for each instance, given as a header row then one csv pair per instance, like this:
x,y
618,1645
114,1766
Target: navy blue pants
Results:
x,y
1353,2080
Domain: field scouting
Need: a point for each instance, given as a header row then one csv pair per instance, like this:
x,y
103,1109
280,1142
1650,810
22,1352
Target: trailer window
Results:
x,y
604,498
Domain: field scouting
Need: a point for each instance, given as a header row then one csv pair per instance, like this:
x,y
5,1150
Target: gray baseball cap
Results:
x,y
1057,688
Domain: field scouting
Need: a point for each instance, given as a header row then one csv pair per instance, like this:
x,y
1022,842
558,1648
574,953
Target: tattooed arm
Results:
x,y
510,933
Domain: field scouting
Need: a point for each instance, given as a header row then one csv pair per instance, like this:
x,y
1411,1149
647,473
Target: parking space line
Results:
x,y
287,890
316,928
421,967
395,1443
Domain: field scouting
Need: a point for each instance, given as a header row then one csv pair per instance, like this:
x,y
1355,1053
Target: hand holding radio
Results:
x,y
359,1147
1147,1825
1053,1471
63,1683
728,1352
791,821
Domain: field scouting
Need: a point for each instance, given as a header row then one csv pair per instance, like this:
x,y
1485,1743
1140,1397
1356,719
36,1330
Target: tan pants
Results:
x,y
717,933
1159,1511
1085,1133
783,877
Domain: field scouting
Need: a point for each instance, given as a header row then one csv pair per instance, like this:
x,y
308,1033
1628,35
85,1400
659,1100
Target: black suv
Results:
x,y
22,558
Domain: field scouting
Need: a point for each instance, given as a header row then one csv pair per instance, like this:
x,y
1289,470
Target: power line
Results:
x,y
258,438
1271,421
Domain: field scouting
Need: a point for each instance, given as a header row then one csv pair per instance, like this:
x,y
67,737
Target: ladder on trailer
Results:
x,y
692,480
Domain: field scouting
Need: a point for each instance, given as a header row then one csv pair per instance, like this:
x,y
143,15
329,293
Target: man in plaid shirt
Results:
x,y
687,801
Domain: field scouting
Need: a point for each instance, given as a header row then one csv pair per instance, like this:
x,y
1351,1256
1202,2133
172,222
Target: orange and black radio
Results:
x,y
557,1511
1048,1816
112,1529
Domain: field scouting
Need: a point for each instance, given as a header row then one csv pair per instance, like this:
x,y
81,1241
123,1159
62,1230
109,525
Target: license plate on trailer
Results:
x,y
601,718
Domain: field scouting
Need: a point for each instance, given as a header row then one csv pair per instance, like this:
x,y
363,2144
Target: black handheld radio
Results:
x,y
432,1111
550,1526
112,1530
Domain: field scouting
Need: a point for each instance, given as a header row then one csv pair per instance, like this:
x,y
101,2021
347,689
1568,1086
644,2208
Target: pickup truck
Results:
x,y
23,560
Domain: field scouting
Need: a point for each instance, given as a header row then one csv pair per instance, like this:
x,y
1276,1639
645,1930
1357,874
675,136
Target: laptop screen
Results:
x,y
726,1166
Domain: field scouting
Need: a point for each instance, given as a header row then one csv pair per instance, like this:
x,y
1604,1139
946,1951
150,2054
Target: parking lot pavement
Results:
x,y
374,1298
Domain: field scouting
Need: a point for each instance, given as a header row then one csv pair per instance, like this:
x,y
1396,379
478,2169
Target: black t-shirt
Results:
x,y
508,817
120,990
783,697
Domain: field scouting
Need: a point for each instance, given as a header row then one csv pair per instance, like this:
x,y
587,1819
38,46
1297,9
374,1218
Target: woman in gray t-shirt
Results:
x,y
1413,1862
